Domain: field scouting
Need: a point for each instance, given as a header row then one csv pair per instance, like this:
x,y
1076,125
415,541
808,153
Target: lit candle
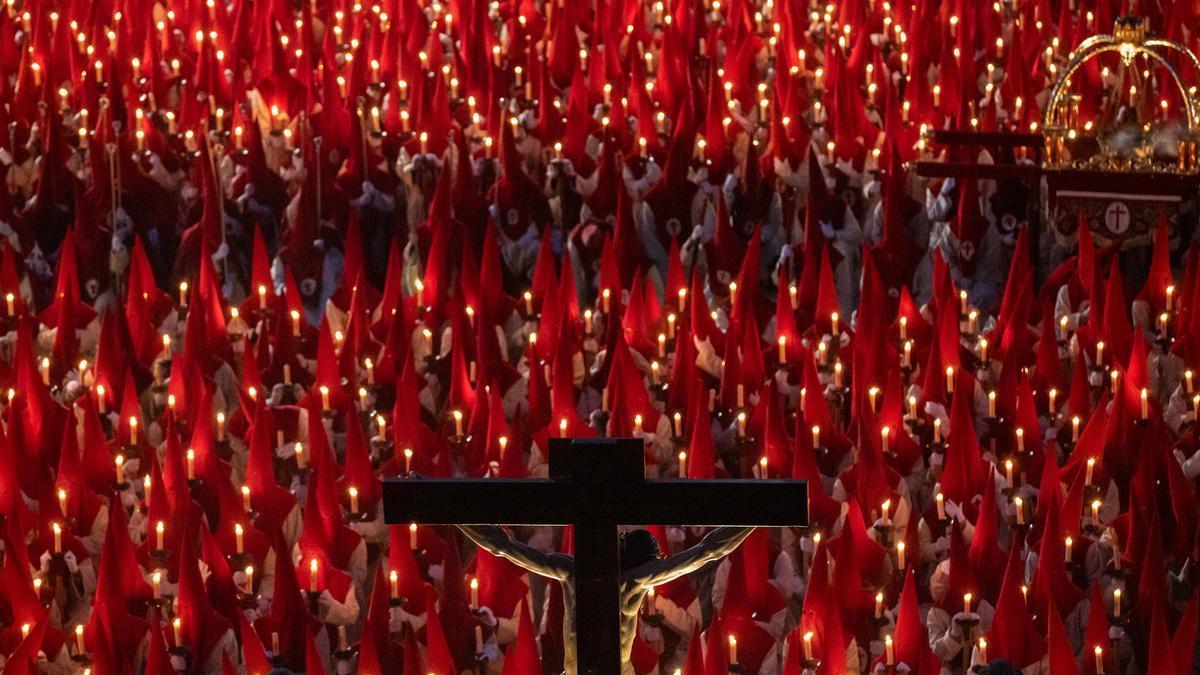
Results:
x,y
937,430
903,328
1145,404
191,464
408,455
394,578
833,324
816,436
949,379
1008,473
133,431
10,300
992,404
183,289
246,498
1020,440
732,650
221,426
295,323
1099,651
313,570
562,428
381,425
967,603
808,646
741,425
884,433
301,458
57,537
1051,395
1116,602
1187,381
160,530
353,499
156,582
262,293
79,648
1091,467
119,468
983,347
682,464
177,626
324,398
900,546
940,500
458,423
983,650
1100,353
249,578
412,536
239,533
100,402
677,423
889,650
878,605
370,366
1074,428
1019,507
1069,544
783,349
1170,297
1096,512
62,501
762,467
474,593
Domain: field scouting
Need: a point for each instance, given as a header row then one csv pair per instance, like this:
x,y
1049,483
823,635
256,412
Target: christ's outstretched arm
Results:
x,y
497,542
714,546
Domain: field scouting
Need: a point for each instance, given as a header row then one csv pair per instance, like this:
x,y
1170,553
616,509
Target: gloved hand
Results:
x,y
486,617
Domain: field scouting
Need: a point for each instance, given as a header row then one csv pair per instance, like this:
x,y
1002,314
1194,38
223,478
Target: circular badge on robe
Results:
x,y
308,287
967,250
674,227
1008,223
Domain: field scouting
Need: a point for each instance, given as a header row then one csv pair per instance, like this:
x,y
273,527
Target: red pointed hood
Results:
x,y
1013,635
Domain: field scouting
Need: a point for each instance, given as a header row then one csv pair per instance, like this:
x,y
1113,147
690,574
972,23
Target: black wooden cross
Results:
x,y
596,485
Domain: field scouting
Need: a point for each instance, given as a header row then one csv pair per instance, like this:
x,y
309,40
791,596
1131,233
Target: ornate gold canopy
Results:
x,y
1129,39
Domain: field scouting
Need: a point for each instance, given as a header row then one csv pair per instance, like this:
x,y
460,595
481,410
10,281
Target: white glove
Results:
x,y
488,617
490,651
435,573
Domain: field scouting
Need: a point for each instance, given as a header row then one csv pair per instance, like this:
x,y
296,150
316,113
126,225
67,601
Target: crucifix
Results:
x,y
596,485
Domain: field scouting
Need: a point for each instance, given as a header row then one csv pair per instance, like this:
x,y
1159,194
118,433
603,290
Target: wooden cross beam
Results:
x,y
596,485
